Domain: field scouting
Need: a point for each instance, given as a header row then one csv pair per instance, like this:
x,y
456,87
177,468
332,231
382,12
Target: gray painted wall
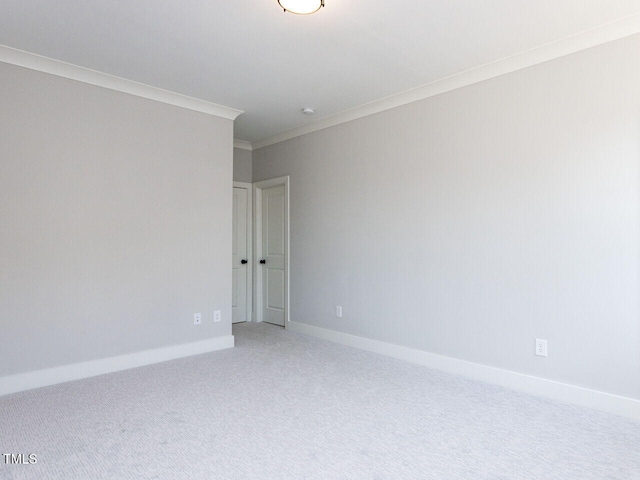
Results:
x,y
242,165
473,222
115,222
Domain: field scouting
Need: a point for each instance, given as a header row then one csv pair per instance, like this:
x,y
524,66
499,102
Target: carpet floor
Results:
x,y
286,406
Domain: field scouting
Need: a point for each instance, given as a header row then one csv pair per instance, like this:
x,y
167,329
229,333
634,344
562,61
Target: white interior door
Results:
x,y
273,260
239,311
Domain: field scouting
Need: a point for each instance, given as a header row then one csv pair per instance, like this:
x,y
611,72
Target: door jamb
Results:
x,y
249,220
257,245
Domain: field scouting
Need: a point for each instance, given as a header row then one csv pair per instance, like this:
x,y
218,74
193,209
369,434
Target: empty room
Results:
x,y
320,239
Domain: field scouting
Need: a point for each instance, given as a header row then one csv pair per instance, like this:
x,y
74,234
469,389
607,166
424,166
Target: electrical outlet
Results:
x,y
339,311
541,347
197,318
217,316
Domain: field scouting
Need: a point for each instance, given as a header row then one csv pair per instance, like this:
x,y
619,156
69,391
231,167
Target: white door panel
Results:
x,y
273,254
275,293
240,254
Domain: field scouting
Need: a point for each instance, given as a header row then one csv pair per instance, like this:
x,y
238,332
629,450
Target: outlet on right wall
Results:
x,y
473,222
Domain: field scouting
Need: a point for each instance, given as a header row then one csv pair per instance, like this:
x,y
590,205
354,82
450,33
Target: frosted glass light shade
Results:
x,y
301,7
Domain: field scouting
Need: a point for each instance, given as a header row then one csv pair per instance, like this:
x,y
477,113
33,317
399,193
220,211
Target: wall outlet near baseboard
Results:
x,y
197,318
541,347
339,311
217,316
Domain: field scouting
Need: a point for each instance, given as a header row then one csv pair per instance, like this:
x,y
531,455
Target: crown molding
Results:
x,y
242,144
544,53
93,77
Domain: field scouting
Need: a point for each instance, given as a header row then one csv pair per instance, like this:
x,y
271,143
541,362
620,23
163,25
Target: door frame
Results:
x,y
257,244
249,220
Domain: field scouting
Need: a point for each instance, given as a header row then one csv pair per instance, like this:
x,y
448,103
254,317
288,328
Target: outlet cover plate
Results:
x,y
541,347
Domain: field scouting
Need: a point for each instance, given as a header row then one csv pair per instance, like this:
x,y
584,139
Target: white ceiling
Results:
x,y
250,55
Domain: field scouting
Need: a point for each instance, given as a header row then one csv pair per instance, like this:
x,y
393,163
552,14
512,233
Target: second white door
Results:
x,y
273,260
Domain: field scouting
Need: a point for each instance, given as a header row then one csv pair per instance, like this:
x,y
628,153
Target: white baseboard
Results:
x,y
77,371
562,392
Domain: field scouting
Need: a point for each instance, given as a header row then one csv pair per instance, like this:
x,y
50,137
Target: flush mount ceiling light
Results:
x,y
301,7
